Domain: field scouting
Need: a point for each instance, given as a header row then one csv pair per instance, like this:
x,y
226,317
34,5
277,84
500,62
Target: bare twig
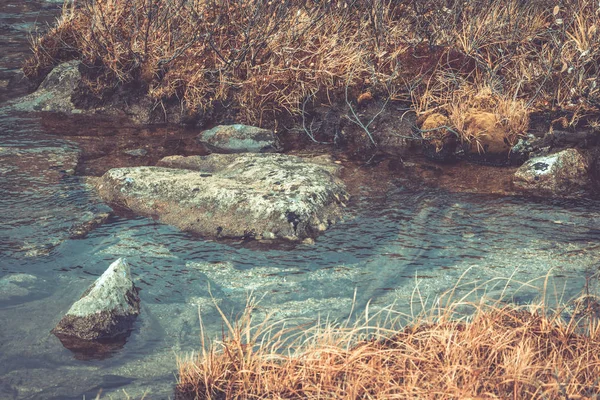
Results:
x,y
310,131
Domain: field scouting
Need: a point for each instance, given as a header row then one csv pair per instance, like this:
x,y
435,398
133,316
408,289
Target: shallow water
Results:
x,y
388,245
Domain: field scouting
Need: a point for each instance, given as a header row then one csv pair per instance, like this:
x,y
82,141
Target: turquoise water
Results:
x,y
388,245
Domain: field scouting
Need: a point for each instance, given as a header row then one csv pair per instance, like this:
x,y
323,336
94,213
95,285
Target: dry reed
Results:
x,y
266,58
495,350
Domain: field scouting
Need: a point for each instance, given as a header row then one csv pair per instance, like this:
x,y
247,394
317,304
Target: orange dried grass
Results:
x,y
267,57
499,351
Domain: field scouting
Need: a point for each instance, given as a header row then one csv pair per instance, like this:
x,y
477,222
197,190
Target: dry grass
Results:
x,y
266,58
495,350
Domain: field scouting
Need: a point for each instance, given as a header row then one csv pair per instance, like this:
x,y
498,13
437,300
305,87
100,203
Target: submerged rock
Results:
x,y
563,174
238,139
16,285
81,230
136,152
232,195
106,310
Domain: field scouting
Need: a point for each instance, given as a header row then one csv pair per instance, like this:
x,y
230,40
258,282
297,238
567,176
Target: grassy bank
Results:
x,y
268,59
497,351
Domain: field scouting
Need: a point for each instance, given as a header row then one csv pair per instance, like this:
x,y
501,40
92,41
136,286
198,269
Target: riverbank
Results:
x,y
454,349
472,82
323,68
411,222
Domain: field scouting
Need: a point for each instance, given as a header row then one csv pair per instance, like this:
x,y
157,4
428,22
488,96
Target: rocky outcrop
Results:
x,y
60,92
263,196
562,174
18,286
238,139
55,91
106,310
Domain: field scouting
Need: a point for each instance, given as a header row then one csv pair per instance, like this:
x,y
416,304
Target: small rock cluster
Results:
x,y
555,165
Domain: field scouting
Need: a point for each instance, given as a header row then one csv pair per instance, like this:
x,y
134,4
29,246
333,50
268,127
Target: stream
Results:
x,y
389,244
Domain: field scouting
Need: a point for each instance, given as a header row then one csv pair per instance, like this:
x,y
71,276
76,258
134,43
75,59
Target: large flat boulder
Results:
x,y
562,174
263,196
106,310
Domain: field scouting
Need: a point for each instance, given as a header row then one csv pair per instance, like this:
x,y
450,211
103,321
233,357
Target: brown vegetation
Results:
x,y
270,58
498,351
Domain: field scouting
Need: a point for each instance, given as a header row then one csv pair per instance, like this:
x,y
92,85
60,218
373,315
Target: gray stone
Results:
x,y
563,174
232,196
54,93
136,152
238,139
106,310
521,151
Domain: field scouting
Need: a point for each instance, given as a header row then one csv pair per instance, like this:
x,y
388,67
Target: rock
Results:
x,y
54,93
16,285
81,230
439,143
106,310
51,162
238,139
557,139
136,152
521,151
563,174
232,195
61,92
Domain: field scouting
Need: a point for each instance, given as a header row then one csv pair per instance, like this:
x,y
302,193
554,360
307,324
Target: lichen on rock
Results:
x,y
562,174
233,195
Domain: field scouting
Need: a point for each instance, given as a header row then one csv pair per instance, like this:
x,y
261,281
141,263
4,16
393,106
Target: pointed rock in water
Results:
x,y
238,139
245,195
106,310
562,174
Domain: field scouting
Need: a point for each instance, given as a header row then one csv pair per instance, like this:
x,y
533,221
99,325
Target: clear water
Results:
x,y
386,246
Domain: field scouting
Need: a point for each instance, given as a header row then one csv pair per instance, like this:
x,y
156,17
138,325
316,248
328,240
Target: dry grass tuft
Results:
x,y
497,351
266,58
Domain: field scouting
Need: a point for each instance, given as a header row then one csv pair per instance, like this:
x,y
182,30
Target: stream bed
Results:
x,y
389,244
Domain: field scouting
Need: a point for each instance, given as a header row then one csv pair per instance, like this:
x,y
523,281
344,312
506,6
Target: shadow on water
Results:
x,y
86,350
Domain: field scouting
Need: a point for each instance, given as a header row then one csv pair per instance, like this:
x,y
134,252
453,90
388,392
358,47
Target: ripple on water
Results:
x,y
385,248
